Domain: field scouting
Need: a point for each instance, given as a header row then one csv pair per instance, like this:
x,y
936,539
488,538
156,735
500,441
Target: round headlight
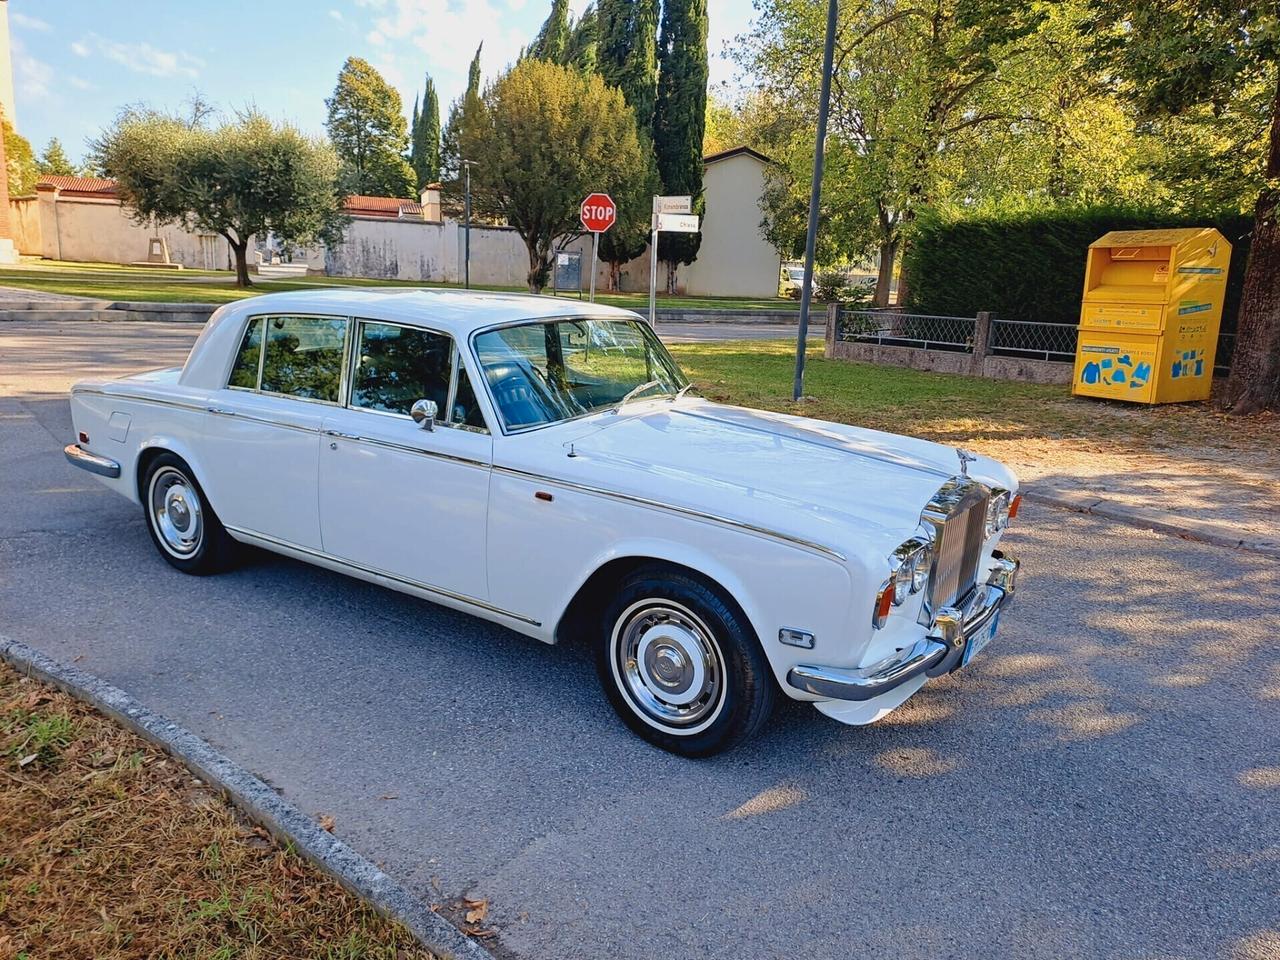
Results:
x,y
902,578
920,568
997,513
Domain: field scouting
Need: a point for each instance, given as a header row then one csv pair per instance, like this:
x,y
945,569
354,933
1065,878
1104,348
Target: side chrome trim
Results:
x,y
238,415
85,460
673,508
271,541
405,448
183,405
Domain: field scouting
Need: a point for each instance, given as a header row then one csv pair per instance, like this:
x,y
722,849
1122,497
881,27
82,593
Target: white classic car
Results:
x,y
542,464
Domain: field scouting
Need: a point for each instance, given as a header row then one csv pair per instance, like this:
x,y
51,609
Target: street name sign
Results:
x,y
673,204
676,223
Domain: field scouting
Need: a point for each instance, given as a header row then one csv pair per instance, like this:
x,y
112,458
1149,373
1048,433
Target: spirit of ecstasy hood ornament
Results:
x,y
966,458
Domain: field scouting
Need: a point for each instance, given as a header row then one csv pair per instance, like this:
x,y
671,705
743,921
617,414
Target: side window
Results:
x,y
398,366
466,412
244,372
304,357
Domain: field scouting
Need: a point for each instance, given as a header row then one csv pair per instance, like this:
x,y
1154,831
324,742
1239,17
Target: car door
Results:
x,y
263,429
396,498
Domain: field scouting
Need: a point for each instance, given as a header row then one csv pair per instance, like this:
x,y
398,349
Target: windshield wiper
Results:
x,y
681,392
617,407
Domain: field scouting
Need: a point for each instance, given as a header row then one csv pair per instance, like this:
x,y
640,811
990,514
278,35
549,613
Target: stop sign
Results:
x,y
598,212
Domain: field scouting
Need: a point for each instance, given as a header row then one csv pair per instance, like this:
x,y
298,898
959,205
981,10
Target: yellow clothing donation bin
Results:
x,y
1151,312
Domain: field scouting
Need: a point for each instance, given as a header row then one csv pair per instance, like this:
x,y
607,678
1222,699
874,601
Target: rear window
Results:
x,y
244,373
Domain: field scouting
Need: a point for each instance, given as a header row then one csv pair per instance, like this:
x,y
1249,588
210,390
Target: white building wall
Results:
x,y
100,230
734,258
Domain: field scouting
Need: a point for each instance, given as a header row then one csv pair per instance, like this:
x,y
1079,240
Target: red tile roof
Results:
x,y
391,207
79,186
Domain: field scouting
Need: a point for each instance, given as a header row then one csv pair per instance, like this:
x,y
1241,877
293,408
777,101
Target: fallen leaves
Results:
x,y
327,822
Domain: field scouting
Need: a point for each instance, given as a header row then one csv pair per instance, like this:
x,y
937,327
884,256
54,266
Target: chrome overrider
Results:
x,y
91,461
939,652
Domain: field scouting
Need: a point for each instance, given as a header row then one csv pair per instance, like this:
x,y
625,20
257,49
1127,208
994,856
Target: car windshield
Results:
x,y
543,372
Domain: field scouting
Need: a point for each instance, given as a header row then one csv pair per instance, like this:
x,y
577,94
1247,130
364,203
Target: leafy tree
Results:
x,y
244,178
20,161
679,120
424,154
1216,59
627,58
553,39
548,136
55,162
582,49
367,127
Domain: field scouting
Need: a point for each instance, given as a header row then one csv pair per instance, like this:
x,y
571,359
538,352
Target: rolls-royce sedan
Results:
x,y
544,464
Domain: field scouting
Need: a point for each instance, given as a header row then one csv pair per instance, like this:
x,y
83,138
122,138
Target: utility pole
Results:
x,y
466,228
815,197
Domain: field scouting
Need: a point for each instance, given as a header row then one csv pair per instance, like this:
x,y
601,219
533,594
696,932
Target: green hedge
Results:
x,y
1029,264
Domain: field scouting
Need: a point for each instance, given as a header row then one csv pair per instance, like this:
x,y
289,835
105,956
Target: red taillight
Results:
x,y
84,437
1013,507
884,603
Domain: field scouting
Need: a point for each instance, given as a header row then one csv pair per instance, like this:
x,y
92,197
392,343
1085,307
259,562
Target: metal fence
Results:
x,y
923,331
1033,340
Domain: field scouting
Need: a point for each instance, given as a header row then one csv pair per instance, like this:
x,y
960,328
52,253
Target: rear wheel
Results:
x,y
681,665
182,525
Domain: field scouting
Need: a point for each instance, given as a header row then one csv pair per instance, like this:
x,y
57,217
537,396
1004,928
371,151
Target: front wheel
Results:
x,y
182,525
681,665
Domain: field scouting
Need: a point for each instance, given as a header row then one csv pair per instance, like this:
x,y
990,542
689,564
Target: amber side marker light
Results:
x,y
884,603
1013,507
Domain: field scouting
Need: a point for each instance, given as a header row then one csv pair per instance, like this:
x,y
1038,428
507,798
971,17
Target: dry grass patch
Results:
x,y
110,849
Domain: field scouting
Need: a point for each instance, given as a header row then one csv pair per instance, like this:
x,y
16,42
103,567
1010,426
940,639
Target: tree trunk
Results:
x,y
1254,383
535,278
672,267
884,279
904,285
241,249
615,277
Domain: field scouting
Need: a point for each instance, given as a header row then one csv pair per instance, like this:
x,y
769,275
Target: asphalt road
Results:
x,y
1103,782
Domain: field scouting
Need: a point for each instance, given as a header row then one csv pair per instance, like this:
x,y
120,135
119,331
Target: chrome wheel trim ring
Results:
x,y
175,512
668,666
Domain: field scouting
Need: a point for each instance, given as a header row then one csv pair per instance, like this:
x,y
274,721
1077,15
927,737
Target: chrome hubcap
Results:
x,y
669,665
175,512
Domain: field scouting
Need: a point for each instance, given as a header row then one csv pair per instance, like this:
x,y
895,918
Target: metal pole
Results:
x,y
815,196
466,230
653,269
595,250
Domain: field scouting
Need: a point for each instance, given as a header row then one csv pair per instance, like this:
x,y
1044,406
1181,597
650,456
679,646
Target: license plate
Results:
x,y
980,640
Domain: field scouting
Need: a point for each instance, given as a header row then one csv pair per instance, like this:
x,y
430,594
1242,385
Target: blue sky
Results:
x,y
76,62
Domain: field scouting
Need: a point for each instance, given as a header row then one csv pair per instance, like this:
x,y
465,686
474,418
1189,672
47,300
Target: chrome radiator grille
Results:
x,y
958,514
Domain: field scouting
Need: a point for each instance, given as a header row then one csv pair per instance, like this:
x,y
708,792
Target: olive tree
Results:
x,y
243,178
547,136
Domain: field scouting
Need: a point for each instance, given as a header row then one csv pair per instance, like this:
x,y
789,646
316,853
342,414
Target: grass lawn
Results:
x,y
106,281
990,415
109,849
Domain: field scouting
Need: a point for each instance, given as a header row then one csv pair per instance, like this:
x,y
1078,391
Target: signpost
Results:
x,y
598,213
670,215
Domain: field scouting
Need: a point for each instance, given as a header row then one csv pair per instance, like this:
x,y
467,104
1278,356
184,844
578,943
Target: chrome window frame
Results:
x,y
456,359
262,353
528,321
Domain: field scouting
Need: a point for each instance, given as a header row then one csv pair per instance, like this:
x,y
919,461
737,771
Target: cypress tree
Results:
x,y
580,51
627,58
430,122
553,39
415,147
463,108
679,119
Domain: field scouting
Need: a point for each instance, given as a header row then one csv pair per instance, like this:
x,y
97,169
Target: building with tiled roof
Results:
x,y
99,188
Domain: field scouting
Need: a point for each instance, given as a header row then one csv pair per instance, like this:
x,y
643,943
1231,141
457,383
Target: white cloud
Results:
x,y
515,5
29,22
141,57
376,38
336,15
33,78
80,83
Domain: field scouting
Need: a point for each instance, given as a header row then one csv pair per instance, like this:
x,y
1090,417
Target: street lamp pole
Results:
x,y
815,197
466,228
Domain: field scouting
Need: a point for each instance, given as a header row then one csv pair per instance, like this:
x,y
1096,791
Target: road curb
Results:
x,y
1200,533
258,801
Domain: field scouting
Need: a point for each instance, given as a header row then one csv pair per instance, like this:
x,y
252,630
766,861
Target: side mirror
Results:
x,y
424,413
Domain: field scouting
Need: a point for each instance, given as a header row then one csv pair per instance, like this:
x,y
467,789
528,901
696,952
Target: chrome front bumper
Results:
x,y
940,652
91,461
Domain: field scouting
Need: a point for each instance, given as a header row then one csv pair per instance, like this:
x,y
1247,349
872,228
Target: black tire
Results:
x,y
181,521
682,665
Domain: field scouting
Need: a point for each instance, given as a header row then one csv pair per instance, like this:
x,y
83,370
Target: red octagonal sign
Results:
x,y
598,212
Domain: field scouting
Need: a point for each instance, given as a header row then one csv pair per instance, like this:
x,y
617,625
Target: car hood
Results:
x,y
843,487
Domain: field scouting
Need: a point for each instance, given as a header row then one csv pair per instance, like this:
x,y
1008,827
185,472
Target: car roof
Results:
x,y
453,311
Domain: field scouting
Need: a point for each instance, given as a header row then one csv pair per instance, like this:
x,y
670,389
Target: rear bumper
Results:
x,y
941,651
102,466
